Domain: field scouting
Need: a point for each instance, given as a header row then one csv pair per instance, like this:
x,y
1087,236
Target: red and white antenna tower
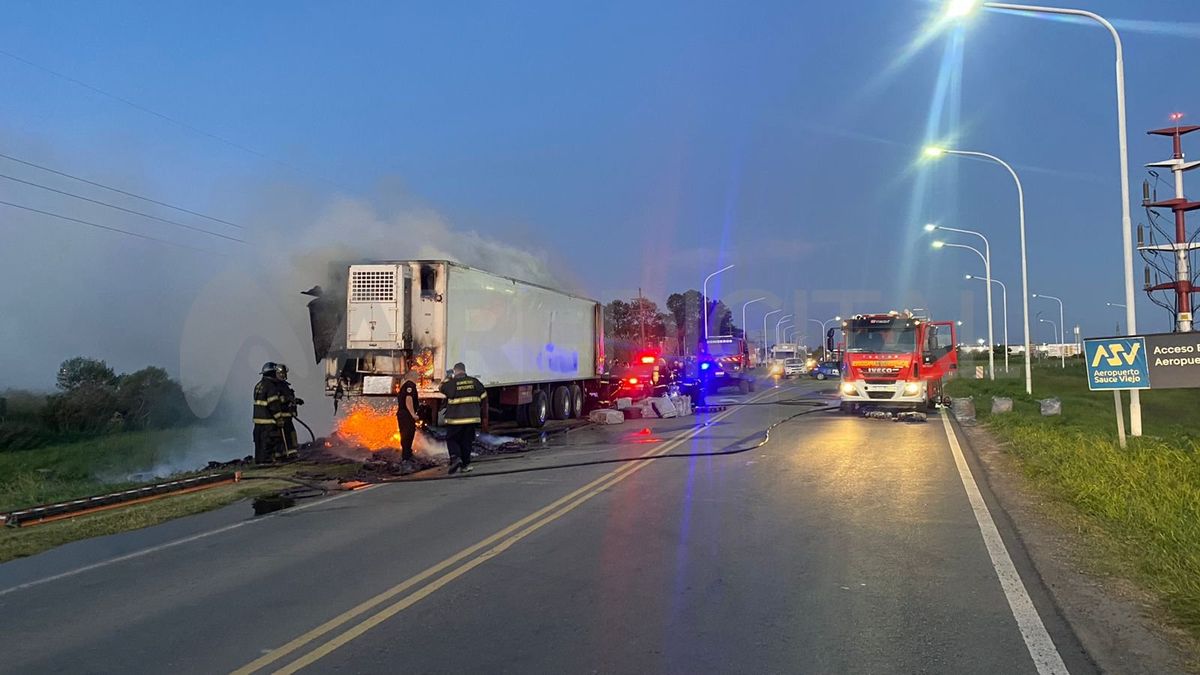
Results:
x,y
1182,284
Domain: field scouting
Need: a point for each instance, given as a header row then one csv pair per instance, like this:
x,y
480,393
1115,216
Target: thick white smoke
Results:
x,y
252,311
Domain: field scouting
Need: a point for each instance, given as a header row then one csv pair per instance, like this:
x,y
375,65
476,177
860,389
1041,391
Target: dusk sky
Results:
x,y
628,144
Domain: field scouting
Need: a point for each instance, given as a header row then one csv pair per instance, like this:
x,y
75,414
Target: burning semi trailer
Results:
x,y
538,351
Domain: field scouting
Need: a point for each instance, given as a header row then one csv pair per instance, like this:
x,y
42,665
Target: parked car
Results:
x,y
827,370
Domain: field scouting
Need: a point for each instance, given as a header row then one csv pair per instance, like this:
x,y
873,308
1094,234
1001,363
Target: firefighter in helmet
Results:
x,y
275,406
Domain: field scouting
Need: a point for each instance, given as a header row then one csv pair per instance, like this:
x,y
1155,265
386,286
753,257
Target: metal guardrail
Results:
x,y
76,507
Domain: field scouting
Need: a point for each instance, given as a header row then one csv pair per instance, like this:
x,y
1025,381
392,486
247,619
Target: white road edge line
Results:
x,y
1041,648
171,544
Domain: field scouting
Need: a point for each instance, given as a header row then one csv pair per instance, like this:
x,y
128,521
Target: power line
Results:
x,y
121,208
118,190
106,227
168,118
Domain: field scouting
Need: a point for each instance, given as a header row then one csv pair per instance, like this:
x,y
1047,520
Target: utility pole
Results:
x,y
1182,285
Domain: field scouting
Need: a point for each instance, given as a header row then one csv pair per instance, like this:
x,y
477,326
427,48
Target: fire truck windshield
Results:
x,y
896,336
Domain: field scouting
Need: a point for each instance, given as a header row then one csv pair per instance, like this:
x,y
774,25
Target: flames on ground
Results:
x,y
371,425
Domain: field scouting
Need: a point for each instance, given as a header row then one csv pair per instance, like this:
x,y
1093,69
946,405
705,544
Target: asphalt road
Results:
x,y
842,545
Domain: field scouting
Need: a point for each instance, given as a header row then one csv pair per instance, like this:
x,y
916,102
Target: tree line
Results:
x,y
631,325
91,399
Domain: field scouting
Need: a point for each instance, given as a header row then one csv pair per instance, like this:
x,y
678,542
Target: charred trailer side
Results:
x,y
539,351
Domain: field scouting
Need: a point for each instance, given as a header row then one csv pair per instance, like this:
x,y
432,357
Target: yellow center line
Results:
x,y
499,542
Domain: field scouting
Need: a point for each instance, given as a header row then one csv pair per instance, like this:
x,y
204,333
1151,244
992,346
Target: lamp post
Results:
x,y
1004,309
938,152
987,271
704,309
1055,326
1061,322
745,328
961,8
987,268
780,322
1116,304
774,311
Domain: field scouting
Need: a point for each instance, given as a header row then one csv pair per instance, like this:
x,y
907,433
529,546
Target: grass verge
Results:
x,y
1144,499
114,462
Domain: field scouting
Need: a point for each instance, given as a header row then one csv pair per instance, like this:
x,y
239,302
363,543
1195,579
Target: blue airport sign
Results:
x,y
1117,363
1159,361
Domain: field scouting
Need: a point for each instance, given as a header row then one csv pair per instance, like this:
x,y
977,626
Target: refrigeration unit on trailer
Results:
x,y
539,351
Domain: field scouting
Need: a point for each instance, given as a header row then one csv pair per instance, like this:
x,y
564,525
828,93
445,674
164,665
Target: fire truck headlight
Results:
x,y
849,388
912,388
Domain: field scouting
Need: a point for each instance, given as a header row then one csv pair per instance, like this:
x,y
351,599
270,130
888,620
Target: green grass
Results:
x,y
104,464
70,470
1144,501
27,541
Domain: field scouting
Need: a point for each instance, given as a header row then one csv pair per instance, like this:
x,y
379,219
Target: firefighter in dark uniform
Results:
x,y
290,406
466,408
274,406
406,418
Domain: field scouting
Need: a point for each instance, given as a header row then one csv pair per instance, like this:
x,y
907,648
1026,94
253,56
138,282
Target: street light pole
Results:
x,y
937,152
745,328
960,8
764,339
704,309
1061,322
1004,306
987,271
778,324
1055,326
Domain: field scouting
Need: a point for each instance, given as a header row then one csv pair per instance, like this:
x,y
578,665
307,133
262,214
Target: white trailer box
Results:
x,y
529,343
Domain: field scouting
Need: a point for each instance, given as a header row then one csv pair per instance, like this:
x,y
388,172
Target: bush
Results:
x,y
150,399
87,407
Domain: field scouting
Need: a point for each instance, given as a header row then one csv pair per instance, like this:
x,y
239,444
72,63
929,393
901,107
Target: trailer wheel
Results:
x,y
538,410
561,403
577,401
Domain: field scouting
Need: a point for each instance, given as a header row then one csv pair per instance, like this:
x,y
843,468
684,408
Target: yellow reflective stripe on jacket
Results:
x,y
259,420
464,399
272,399
280,415
258,402
463,420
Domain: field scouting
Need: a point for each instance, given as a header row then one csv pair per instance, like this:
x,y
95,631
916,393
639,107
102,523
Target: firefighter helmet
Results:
x,y
273,369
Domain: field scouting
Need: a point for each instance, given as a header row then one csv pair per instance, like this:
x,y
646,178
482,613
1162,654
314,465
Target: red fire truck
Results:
x,y
896,360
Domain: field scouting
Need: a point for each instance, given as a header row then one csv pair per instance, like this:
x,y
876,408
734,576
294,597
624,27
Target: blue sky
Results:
x,y
636,144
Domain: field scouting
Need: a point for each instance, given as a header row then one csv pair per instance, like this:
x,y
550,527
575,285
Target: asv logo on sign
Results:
x,y
1113,355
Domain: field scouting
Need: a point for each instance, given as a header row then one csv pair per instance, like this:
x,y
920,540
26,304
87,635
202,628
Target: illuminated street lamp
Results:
x,y
1061,322
957,9
745,328
1004,306
774,311
935,152
987,268
987,272
705,292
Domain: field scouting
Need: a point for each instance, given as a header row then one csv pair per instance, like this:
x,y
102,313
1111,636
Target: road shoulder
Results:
x,y
1118,624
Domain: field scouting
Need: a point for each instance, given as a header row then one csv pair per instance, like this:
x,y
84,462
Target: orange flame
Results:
x,y
371,427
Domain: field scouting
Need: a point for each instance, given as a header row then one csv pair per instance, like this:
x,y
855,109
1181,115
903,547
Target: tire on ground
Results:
x,y
744,386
